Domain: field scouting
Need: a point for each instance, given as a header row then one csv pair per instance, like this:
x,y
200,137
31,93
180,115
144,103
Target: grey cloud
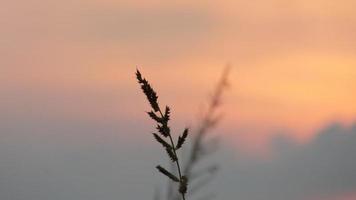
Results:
x,y
72,160
325,166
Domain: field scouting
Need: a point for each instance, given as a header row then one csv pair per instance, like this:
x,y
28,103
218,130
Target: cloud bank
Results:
x,y
323,167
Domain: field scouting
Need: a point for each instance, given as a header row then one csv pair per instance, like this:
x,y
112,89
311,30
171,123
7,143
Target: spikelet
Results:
x,y
167,114
181,139
155,117
163,129
148,91
183,185
162,141
171,154
167,173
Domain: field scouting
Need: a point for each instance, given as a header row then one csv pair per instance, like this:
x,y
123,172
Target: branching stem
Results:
x,y
175,154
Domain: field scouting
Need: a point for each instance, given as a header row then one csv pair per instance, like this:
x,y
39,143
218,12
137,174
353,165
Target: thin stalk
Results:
x,y
175,154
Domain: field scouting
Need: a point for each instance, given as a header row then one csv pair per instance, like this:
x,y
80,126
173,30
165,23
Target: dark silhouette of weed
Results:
x,y
201,146
164,130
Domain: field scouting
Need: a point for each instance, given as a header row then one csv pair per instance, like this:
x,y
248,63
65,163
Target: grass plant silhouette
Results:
x,y
163,129
201,145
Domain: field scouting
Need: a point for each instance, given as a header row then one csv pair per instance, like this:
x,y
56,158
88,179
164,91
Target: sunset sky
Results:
x,y
73,123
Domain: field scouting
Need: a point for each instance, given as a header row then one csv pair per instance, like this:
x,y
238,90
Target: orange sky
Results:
x,y
72,116
294,63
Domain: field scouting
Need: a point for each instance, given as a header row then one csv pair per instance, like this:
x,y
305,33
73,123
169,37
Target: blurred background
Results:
x,y
72,117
